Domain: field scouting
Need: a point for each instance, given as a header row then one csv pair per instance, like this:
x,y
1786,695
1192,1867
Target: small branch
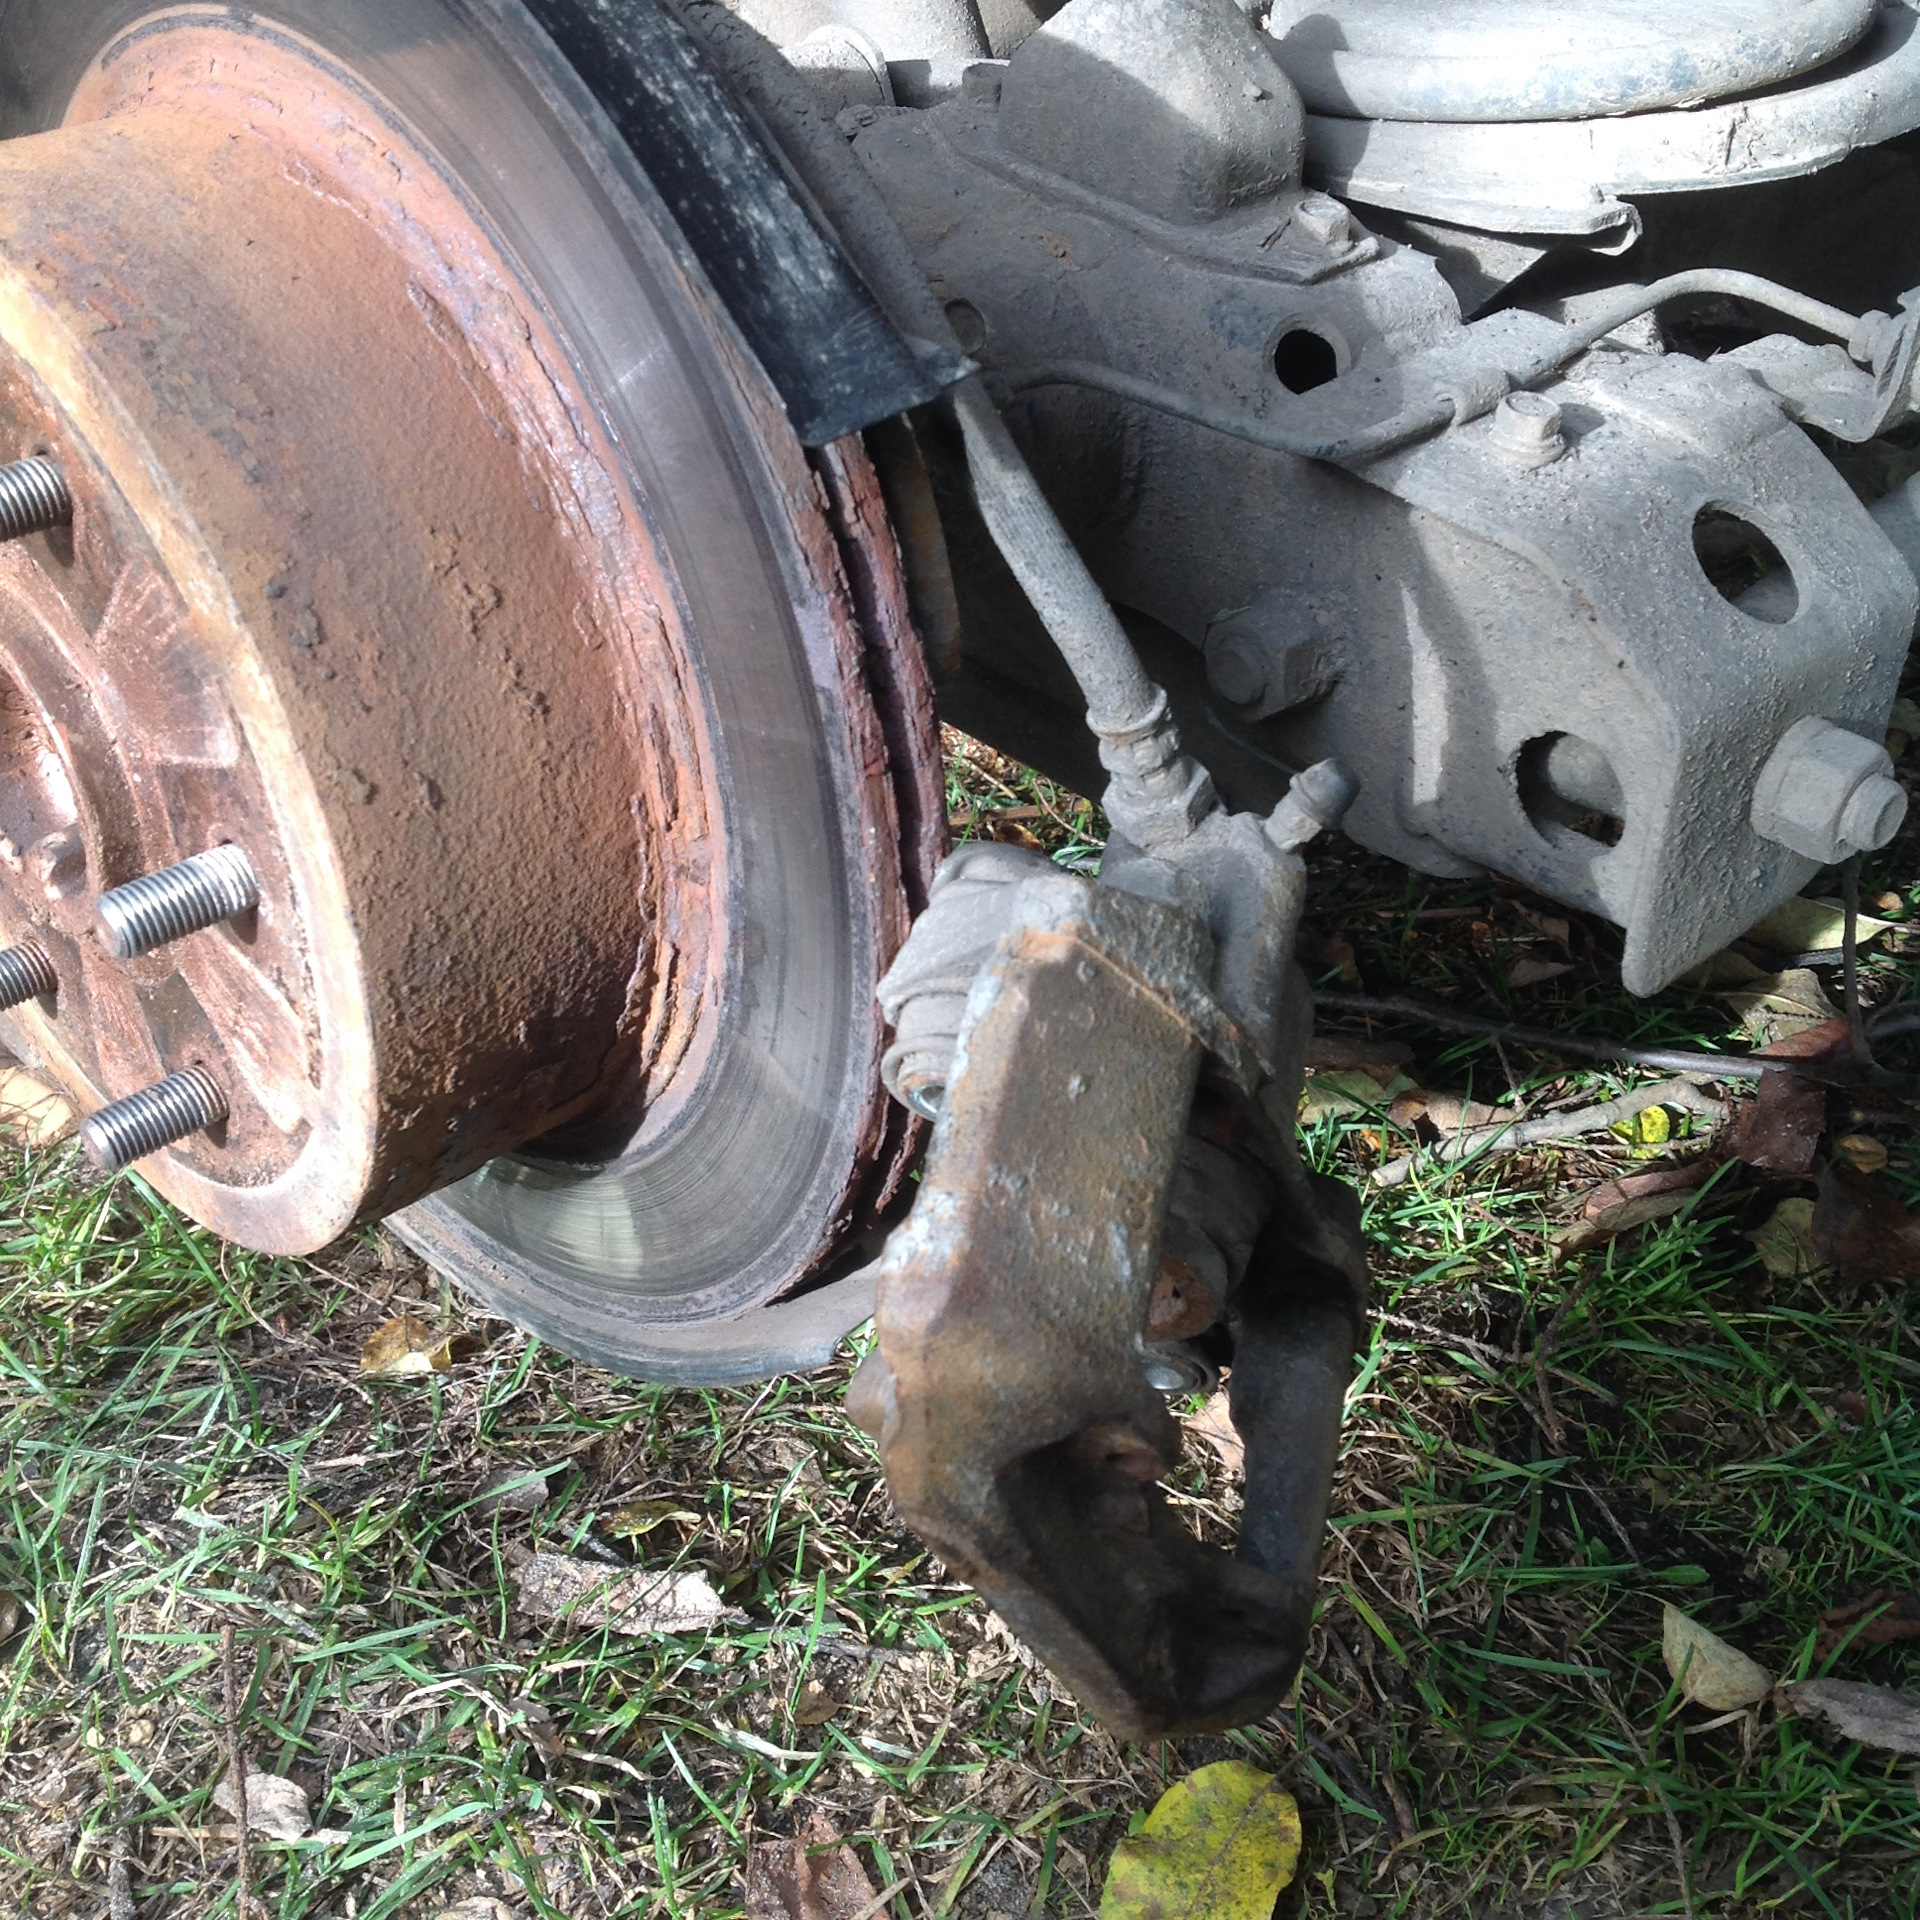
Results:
x,y
1850,959
1552,1127
1709,1066
236,1770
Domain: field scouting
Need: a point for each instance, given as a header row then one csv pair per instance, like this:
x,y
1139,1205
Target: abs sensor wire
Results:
x,y
1429,416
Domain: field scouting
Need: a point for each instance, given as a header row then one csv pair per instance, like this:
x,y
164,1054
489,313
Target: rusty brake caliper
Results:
x,y
1115,1068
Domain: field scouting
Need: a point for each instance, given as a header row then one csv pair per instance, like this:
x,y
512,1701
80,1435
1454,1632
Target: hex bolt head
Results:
x,y
26,973
157,1116
162,907
1827,793
1528,429
1237,669
1323,220
33,498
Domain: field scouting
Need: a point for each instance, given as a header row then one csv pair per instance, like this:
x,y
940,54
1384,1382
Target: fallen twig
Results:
x,y
236,1772
1710,1066
1513,1135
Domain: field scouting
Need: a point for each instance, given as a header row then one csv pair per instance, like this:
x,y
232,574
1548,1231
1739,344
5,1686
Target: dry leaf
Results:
x,y
1875,1716
1862,1152
1219,1845
1531,972
582,1594
1784,1241
1656,1183
1551,924
512,1490
1884,1616
1711,1673
1214,1424
815,1707
1863,1233
1327,1095
1350,1053
407,1346
640,1517
1812,926
276,1807
1611,1222
1779,1005
1438,1116
31,1113
1780,1127
478,1906
813,1876
13,1616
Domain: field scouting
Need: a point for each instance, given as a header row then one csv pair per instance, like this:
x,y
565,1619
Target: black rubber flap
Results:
x,y
832,354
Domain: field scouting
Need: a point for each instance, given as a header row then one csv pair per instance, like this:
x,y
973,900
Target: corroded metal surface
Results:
x,y
1009,1388
361,580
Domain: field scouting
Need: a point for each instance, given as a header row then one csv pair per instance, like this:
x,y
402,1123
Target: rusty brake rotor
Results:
x,y
435,544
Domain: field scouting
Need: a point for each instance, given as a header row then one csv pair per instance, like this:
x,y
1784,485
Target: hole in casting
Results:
x,y
1567,785
1305,360
1744,567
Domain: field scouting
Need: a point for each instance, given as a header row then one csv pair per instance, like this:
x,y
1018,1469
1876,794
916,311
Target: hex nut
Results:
x,y
1827,793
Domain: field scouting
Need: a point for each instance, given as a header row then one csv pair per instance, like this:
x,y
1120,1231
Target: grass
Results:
x,y
1538,1454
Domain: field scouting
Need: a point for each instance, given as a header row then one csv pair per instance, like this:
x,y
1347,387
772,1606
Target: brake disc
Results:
x,y
435,542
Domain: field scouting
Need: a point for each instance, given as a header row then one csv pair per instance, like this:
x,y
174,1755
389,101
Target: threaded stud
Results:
x,y
155,1117
26,973
33,498
168,905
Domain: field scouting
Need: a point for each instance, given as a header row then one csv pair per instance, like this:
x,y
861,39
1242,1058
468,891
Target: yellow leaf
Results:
x,y
1812,926
642,1516
1652,1127
407,1345
1862,1152
1784,1241
1711,1673
1220,1845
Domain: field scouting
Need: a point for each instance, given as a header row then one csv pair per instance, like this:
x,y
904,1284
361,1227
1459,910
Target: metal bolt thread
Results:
x,y
33,497
153,1118
168,905
26,973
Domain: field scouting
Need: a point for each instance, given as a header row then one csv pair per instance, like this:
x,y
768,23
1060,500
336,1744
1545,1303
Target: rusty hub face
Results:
x,y
362,579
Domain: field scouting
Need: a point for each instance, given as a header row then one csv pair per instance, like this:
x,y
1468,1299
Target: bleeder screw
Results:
x,y
168,905
33,498
157,1116
26,973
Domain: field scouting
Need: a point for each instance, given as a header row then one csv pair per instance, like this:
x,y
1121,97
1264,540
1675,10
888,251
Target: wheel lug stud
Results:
x,y
33,498
155,1117
168,905
26,973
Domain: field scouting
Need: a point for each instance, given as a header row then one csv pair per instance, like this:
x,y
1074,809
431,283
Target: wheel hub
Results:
x,y
358,581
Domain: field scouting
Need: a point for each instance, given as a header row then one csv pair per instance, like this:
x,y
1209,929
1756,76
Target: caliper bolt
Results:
x,y
168,905
1527,428
155,1117
26,973
1827,793
33,498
